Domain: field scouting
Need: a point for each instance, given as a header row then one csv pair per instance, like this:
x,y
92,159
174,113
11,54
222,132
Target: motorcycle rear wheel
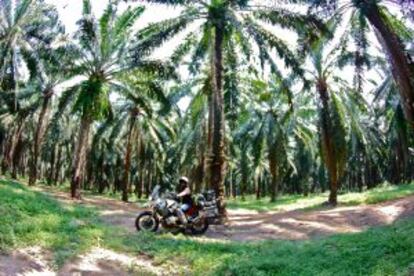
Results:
x,y
146,222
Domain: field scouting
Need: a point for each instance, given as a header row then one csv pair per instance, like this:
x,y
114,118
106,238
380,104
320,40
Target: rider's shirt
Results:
x,y
187,200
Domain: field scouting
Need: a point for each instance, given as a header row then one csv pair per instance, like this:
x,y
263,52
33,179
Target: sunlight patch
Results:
x,y
113,212
108,262
392,212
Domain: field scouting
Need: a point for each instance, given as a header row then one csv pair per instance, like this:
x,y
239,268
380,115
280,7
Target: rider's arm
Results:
x,y
185,192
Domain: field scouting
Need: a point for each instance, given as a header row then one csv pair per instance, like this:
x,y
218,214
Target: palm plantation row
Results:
x,y
264,117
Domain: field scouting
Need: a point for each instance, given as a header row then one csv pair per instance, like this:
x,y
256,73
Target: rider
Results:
x,y
185,196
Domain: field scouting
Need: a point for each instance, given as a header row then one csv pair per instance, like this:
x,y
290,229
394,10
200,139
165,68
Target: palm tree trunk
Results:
x,y
259,187
38,138
244,171
80,156
6,150
201,173
140,168
402,68
218,159
100,182
149,178
209,127
51,173
274,187
127,165
15,140
17,158
327,143
231,186
58,166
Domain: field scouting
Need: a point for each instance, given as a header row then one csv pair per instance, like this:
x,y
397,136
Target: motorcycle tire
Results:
x,y
201,229
148,228
176,231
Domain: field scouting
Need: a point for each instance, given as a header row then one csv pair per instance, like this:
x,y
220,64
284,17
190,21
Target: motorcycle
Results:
x,y
163,211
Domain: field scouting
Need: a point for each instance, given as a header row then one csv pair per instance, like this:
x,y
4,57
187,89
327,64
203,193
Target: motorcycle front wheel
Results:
x,y
146,221
199,227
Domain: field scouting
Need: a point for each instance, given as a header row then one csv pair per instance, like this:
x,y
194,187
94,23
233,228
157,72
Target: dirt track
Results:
x,y
243,225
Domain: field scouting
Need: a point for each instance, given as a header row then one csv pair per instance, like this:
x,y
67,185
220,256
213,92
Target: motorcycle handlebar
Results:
x,y
171,195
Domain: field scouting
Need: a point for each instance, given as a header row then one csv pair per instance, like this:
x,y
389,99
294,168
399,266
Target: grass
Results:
x,y
65,187
29,218
32,218
379,194
381,251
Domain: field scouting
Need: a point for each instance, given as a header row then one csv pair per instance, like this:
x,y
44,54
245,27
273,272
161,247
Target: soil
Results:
x,y
99,261
243,225
246,225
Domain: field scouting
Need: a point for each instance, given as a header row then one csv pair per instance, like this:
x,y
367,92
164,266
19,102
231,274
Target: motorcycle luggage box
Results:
x,y
209,195
210,204
211,212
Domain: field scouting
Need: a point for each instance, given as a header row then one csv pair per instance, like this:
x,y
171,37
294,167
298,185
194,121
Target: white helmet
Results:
x,y
184,179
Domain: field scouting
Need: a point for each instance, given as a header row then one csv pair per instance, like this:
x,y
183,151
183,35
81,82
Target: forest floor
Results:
x,y
243,226
250,225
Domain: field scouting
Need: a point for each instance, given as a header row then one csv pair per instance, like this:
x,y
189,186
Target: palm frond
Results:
x,y
155,34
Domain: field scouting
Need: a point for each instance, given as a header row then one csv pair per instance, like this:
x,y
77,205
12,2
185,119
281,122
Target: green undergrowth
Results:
x,y
30,218
65,187
379,194
378,251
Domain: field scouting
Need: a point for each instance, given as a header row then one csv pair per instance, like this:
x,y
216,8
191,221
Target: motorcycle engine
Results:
x,y
161,207
171,220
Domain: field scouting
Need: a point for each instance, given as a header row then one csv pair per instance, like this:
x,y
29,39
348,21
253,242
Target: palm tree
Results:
x,y
332,125
225,26
143,92
25,28
103,49
388,28
191,150
51,70
276,122
15,123
22,24
396,132
135,130
58,146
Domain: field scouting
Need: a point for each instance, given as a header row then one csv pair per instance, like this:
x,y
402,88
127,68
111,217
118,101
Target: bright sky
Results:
x,y
70,11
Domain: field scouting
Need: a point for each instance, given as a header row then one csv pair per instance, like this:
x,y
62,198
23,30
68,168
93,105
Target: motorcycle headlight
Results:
x,y
159,204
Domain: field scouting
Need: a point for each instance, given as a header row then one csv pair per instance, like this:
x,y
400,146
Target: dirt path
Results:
x,y
243,225
99,261
247,225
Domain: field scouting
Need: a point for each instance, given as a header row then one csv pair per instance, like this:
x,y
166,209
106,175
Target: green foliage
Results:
x,y
386,250
379,194
93,99
33,219
269,93
105,47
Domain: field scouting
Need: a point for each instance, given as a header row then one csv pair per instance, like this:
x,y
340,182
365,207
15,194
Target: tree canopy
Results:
x,y
287,97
